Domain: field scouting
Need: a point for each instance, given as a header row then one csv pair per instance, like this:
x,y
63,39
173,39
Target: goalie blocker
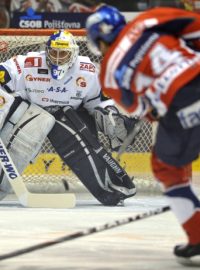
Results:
x,y
85,156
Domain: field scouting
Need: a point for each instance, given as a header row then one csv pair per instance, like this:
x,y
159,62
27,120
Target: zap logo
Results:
x,y
2,101
80,81
87,66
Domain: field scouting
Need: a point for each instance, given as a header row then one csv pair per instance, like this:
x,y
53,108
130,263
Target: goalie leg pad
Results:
x,y
24,135
96,169
6,101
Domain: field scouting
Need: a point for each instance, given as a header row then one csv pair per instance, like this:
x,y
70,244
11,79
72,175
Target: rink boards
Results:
x,y
133,162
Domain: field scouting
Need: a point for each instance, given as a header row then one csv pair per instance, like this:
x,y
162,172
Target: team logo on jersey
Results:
x,y
30,78
87,66
17,65
81,82
33,62
2,101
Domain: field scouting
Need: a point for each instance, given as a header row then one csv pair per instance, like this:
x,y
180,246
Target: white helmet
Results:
x,y
61,52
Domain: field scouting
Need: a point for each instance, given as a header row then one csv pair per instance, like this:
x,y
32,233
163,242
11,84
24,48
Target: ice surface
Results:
x,y
145,244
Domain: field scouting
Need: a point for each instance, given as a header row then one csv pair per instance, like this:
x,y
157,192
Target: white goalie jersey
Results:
x,y
29,77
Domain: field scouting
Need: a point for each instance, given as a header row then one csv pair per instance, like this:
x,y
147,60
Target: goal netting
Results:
x,y
47,173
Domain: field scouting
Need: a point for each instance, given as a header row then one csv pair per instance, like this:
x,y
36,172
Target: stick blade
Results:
x,y
41,200
65,200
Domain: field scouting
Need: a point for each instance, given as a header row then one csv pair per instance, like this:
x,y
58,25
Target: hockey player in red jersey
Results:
x,y
151,68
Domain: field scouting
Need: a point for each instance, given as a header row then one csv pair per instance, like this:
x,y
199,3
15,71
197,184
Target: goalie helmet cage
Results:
x,y
47,173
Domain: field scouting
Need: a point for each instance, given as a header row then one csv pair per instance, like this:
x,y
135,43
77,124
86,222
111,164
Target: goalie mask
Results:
x,y
61,52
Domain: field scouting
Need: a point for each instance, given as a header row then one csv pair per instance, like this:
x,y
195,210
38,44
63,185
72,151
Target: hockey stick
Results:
x,y
26,198
85,232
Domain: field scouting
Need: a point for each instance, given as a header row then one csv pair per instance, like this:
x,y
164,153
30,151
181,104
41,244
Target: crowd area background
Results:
x,y
11,11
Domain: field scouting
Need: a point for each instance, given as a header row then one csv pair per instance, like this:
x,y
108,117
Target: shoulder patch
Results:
x,y
4,76
87,66
33,62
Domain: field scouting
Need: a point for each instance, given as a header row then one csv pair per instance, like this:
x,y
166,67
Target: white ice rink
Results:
x,y
142,245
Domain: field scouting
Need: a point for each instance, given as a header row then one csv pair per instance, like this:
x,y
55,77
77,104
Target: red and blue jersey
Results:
x,y
154,56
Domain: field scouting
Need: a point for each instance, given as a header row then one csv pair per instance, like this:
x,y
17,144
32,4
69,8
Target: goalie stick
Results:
x,y
85,232
26,198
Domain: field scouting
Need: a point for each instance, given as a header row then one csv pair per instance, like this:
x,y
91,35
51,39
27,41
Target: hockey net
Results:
x,y
47,173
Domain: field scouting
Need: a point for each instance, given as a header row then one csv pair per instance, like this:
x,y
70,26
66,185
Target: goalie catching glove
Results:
x,y
114,125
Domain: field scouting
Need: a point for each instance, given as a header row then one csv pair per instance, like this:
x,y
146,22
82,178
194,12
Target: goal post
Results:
x,y
47,173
